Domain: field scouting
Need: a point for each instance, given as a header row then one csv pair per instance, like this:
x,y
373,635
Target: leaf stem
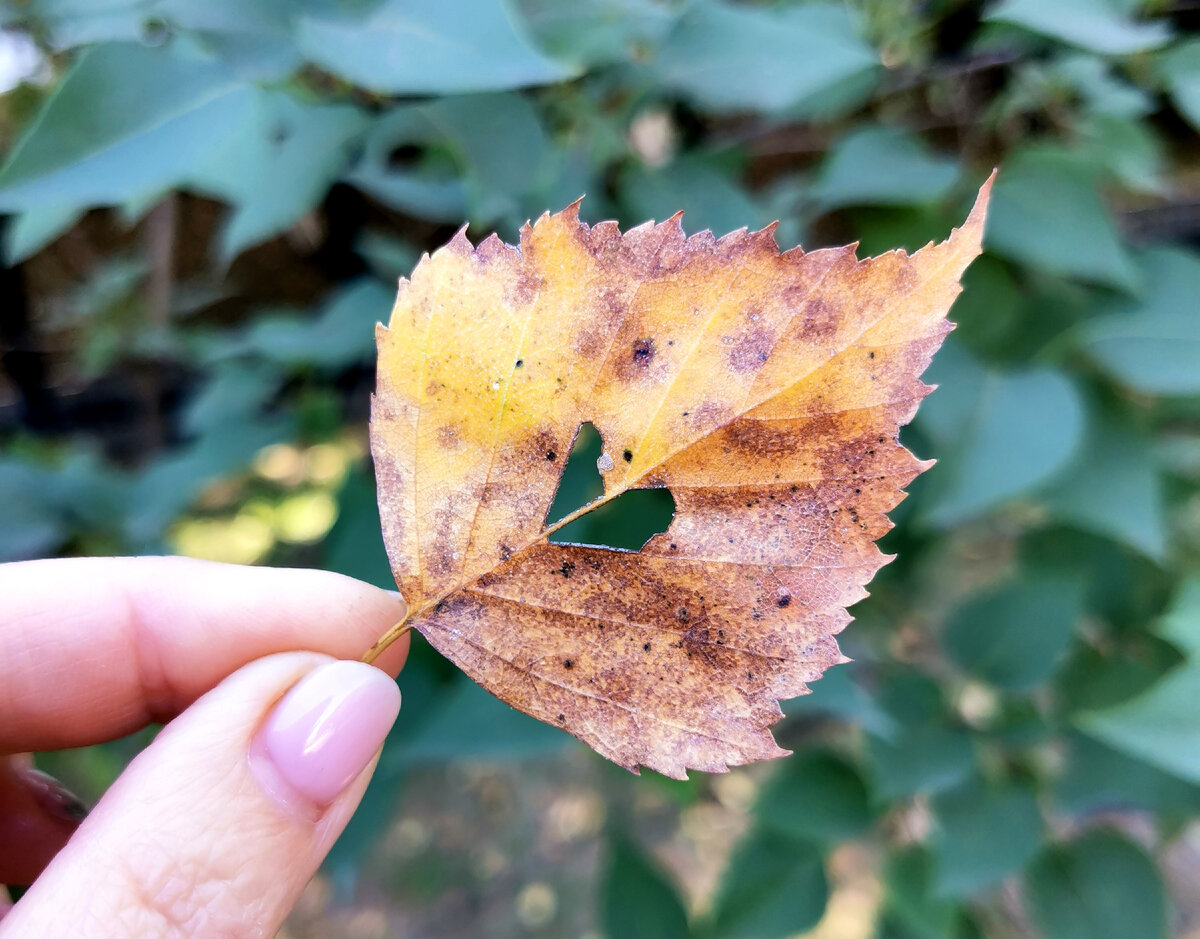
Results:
x,y
387,639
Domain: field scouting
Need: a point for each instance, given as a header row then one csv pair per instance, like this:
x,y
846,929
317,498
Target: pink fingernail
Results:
x,y
54,797
328,727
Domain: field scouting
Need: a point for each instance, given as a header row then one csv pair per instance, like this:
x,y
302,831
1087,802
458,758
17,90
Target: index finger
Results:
x,y
94,648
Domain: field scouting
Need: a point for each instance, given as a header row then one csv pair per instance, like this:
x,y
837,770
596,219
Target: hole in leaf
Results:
x,y
627,522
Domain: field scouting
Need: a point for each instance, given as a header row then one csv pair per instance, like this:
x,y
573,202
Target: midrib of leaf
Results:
x,y
748,405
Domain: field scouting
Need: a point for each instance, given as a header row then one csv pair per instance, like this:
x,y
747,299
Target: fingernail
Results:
x,y
328,727
54,798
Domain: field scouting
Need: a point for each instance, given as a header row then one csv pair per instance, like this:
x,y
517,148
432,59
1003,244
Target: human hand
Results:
x,y
214,829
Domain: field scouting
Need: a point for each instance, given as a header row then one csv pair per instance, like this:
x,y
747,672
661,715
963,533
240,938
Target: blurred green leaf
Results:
x,y
986,831
1114,489
638,899
1000,434
46,504
1180,70
1127,149
71,23
884,228
883,166
1090,24
504,150
920,759
389,258
1100,84
1162,725
161,492
773,886
626,523
925,752
1093,679
29,232
1046,213
471,724
1097,778
1153,344
254,39
587,33
989,312
816,795
1124,588
839,695
909,897
354,546
31,528
1014,635
1098,886
126,119
698,187
410,47
1181,624
341,334
428,188
279,166
731,57
236,392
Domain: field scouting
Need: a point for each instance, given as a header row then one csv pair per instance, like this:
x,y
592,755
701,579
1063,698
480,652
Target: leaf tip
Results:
x,y
972,228
459,244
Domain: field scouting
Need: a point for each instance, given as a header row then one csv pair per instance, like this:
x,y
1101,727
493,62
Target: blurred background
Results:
x,y
207,204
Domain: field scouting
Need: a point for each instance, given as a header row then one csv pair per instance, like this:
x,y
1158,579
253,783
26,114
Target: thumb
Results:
x,y
217,826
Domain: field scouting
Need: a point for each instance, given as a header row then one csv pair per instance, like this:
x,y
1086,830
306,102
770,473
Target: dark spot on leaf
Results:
x,y
682,614
646,647
567,569
505,552
520,363
551,455
643,351
562,718
627,456
567,663
783,601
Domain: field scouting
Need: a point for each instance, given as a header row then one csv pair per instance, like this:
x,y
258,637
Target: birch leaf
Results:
x,y
765,390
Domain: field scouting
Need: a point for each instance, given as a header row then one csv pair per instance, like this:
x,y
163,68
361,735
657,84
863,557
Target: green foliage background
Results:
x,y
208,204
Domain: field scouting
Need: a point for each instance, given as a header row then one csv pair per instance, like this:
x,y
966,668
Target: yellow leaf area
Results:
x,y
764,389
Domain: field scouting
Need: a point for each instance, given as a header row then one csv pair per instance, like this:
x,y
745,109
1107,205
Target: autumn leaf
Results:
x,y
765,390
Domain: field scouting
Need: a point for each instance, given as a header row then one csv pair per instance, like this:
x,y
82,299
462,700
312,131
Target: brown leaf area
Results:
x,y
764,389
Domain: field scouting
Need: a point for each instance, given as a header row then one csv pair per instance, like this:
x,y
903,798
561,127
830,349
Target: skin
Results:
x,y
187,842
